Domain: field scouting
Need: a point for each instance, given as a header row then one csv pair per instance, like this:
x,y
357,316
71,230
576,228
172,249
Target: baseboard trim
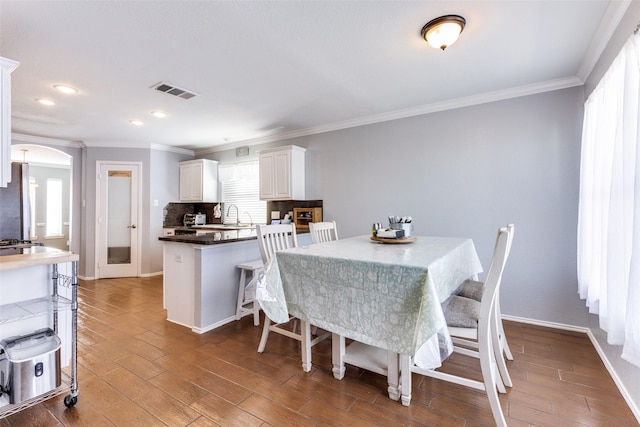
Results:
x,y
157,273
616,379
546,324
214,326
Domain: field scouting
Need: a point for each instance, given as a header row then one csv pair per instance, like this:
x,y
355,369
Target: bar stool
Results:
x,y
248,305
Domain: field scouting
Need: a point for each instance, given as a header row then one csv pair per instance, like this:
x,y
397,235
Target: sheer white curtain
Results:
x,y
609,211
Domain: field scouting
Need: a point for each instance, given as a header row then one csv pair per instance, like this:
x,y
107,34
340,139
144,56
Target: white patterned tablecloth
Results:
x,y
385,295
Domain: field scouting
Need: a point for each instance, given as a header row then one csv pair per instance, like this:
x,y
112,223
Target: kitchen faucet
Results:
x,y
250,217
237,214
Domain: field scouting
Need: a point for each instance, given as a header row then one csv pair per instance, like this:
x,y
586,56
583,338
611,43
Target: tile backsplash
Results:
x,y
286,206
174,213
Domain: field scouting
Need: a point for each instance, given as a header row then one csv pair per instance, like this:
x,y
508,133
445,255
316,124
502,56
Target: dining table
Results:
x,y
386,295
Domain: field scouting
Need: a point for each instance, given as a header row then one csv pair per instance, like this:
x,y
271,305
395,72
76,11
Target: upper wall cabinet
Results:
x,y
282,173
6,68
199,181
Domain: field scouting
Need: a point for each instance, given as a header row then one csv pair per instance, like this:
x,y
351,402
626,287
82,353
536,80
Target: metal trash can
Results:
x,y
30,365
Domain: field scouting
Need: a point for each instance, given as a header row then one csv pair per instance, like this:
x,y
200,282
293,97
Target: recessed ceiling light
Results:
x,y
46,102
136,122
159,114
65,89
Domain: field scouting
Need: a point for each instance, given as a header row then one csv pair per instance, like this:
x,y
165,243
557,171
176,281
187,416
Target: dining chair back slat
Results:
x,y
271,239
276,237
323,231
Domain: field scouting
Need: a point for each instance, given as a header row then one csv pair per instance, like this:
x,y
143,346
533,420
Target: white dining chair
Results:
x,y
474,289
323,231
474,320
273,238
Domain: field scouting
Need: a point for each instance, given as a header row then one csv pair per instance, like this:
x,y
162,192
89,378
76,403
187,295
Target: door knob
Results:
x,y
131,226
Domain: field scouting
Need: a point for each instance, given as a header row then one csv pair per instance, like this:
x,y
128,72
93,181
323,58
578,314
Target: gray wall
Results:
x,y
165,188
629,21
466,172
160,181
92,155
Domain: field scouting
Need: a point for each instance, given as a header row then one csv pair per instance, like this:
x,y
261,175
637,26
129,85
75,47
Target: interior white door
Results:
x,y
117,225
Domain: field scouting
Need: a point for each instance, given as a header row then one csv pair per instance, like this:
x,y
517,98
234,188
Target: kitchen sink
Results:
x,y
226,226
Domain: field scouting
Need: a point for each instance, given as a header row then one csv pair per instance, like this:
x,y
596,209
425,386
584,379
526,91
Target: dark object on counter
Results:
x,y
182,231
15,219
303,216
30,365
16,247
194,219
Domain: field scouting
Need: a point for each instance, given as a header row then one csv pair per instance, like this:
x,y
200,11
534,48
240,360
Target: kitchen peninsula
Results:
x,y
201,278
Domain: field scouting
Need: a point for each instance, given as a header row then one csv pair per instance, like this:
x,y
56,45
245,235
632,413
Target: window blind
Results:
x,y
239,184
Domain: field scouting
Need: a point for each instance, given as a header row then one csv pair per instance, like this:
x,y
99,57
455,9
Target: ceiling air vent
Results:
x,y
173,90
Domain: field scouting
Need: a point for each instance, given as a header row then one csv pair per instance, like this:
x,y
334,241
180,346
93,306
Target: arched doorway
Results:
x,y
50,193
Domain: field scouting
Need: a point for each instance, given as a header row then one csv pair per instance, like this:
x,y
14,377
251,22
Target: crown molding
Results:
x,y
178,150
31,139
608,25
468,101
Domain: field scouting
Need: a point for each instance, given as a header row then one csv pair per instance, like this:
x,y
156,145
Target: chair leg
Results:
x,y
265,334
495,375
256,304
241,285
256,313
504,345
486,361
498,350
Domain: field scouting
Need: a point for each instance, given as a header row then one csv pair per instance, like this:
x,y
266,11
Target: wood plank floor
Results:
x,y
137,369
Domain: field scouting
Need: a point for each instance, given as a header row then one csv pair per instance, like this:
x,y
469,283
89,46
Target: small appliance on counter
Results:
x,y
16,246
194,219
30,365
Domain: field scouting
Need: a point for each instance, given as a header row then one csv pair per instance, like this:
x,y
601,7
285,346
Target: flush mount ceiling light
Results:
x,y
159,114
136,122
65,89
442,32
46,102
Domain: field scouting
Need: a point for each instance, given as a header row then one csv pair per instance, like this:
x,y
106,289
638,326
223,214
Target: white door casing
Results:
x,y
118,207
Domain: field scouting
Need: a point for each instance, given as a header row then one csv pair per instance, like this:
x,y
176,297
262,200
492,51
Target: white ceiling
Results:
x,y
268,70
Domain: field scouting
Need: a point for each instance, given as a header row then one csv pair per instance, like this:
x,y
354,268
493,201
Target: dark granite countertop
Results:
x,y
214,237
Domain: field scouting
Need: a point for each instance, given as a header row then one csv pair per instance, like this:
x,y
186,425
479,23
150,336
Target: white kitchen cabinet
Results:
x,y
199,181
282,173
6,68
